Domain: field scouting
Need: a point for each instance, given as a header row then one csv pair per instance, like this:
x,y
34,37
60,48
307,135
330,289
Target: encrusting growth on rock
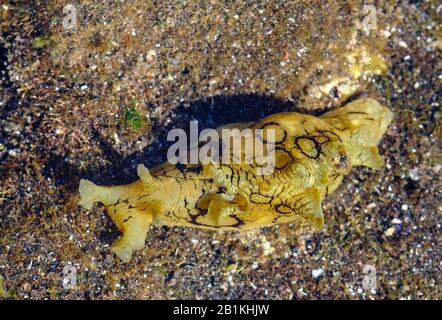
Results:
x,y
312,155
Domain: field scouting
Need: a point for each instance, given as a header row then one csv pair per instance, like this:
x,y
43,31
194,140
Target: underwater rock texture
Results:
x,y
95,101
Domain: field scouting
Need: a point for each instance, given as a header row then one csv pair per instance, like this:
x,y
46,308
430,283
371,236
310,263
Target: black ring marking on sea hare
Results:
x,y
254,195
357,112
279,127
286,152
202,212
317,146
127,219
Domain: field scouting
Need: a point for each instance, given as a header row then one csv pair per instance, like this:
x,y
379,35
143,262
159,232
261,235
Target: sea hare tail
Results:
x,y
89,194
132,217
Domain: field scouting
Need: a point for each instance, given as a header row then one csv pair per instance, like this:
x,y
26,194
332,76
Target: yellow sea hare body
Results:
x,y
312,155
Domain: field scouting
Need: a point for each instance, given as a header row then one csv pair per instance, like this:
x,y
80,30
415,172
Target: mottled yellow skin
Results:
x,y
312,156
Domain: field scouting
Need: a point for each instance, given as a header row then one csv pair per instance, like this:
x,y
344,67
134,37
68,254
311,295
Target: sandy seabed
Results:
x,y
95,99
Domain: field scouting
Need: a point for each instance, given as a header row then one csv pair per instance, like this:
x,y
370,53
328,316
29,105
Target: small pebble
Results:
x,y
390,231
317,273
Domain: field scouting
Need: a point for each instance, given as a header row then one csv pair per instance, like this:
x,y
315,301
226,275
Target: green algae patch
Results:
x,y
41,42
133,118
4,294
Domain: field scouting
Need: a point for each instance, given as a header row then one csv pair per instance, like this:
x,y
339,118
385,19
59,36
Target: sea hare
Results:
x,y
312,155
